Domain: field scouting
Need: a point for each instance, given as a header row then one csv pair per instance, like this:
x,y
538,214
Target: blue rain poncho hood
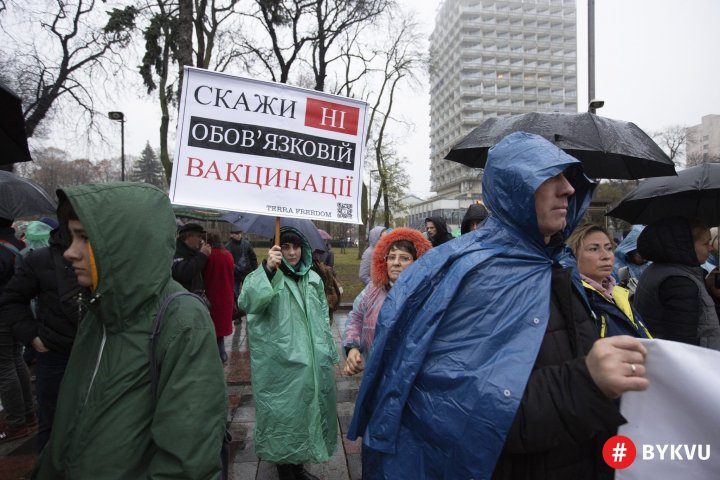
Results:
x,y
459,333
629,244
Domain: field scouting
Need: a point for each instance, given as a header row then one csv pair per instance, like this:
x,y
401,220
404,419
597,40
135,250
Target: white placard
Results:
x,y
675,423
268,148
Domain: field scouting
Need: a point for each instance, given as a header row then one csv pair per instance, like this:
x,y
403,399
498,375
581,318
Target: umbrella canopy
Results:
x,y
13,141
324,234
607,148
694,193
264,226
20,197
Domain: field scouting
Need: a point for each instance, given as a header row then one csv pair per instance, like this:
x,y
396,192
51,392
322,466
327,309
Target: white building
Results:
x,y
494,58
703,141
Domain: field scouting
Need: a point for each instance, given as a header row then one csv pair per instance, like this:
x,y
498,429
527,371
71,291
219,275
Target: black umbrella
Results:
x,y
607,148
13,140
693,193
20,197
264,226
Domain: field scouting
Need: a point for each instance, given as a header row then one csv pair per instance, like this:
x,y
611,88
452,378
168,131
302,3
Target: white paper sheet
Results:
x,y
681,407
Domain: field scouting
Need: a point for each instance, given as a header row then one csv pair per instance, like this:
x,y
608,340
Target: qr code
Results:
x,y
344,210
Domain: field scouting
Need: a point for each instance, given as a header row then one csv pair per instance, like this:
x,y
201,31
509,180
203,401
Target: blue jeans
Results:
x,y
49,373
15,392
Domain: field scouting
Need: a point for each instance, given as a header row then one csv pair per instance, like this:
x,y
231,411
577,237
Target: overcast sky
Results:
x,y
657,64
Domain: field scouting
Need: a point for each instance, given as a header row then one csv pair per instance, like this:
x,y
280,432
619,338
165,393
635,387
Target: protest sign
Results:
x,y
268,148
674,426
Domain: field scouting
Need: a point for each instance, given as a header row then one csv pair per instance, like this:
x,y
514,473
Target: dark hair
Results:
x,y
65,213
65,210
291,237
185,235
214,239
406,246
697,228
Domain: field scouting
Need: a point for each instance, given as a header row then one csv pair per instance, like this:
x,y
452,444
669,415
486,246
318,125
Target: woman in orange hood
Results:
x,y
393,253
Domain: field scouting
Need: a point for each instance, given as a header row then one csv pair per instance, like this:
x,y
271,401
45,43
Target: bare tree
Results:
x,y
279,45
333,18
184,38
402,59
160,46
396,181
53,168
673,140
169,39
208,20
56,63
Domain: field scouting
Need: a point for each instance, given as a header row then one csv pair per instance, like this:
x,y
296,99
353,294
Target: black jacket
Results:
x,y
44,274
564,419
442,235
187,268
671,295
243,256
7,257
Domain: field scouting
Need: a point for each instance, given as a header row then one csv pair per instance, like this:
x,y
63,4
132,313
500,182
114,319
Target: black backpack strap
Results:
x,y
155,334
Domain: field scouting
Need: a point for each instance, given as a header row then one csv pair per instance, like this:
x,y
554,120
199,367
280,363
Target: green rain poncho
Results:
x,y
108,425
292,357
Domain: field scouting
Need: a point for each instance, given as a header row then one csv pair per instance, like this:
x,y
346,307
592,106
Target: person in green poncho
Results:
x,y
110,422
292,358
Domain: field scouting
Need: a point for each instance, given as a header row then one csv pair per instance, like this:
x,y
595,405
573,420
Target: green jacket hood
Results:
x,y
131,227
306,252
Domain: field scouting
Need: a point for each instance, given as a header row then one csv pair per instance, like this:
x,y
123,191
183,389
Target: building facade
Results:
x,y
495,58
703,141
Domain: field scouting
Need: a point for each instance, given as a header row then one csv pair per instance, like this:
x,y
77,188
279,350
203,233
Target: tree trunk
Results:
x,y
185,31
165,117
362,231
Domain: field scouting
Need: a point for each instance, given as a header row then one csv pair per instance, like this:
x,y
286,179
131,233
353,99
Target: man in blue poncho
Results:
x,y
486,362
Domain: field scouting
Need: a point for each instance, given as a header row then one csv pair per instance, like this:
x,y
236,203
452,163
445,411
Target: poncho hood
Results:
x,y
629,244
374,235
131,227
306,261
522,162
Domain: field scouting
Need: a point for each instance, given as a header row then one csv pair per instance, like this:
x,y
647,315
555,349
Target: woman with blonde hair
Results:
x,y
609,302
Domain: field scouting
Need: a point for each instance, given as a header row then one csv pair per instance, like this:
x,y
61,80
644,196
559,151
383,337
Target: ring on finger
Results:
x,y
633,369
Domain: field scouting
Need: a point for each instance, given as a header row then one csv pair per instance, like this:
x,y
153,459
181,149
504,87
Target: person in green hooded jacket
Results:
x,y
108,424
292,358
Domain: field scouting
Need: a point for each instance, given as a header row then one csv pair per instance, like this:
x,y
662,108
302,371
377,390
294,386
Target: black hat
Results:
x,y
191,227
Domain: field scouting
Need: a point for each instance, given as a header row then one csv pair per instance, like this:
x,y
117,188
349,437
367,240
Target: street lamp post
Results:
x,y
591,53
593,103
120,117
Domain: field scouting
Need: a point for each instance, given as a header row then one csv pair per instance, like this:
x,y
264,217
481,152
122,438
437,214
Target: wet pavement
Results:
x,y
17,458
344,464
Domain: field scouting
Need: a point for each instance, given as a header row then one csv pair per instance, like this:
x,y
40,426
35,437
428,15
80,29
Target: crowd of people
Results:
x,y
498,354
